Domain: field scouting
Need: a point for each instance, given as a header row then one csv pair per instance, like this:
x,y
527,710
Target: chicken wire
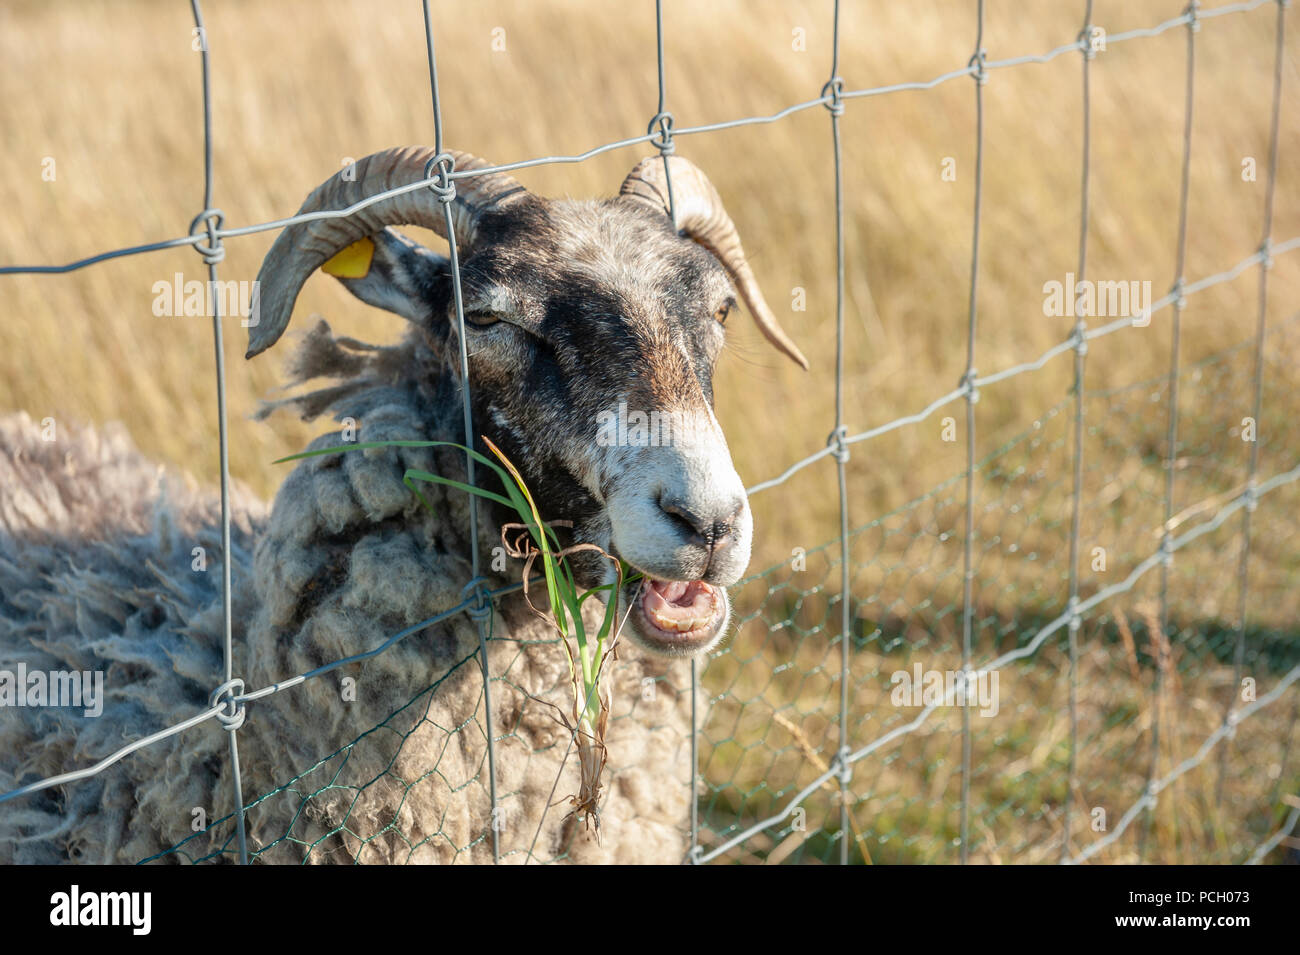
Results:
x,y
799,755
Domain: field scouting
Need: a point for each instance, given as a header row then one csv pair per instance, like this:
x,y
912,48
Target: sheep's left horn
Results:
x,y
305,246
700,215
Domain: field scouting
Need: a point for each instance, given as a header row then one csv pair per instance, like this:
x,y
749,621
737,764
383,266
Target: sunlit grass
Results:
x,y
110,92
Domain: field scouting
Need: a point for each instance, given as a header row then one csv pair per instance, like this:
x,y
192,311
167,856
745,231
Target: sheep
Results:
x,y
574,310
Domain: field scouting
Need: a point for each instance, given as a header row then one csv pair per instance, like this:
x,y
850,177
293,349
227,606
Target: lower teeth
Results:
x,y
678,626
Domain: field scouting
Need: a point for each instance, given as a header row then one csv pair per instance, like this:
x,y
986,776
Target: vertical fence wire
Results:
x,y
972,396
663,122
835,87
1275,796
482,607
1163,647
228,699
213,253
1252,467
694,848
1080,351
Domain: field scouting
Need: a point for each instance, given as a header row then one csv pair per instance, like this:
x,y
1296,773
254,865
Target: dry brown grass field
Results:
x,y
110,92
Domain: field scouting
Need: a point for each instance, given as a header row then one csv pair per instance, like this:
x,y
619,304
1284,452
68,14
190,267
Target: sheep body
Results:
x,y
97,573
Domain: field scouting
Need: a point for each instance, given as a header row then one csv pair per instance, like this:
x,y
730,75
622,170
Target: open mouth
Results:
x,y
677,618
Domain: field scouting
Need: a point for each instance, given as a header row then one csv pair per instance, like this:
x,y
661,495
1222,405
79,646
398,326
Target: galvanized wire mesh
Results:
x,y
799,753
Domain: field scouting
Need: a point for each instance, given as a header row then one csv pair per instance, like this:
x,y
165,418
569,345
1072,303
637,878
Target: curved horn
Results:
x,y
701,216
304,247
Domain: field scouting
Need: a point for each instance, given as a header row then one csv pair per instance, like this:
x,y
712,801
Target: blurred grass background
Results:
x,y
110,91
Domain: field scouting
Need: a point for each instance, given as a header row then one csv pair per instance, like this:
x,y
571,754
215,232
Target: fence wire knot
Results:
x,y
843,768
1266,251
438,172
233,717
476,591
976,66
1079,338
835,441
1076,621
1193,19
1251,496
1178,291
1085,42
213,220
660,131
969,385
1167,550
833,95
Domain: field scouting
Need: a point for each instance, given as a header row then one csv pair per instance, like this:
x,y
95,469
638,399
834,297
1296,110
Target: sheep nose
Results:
x,y
711,531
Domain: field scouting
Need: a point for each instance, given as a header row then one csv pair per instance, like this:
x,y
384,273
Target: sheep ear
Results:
x,y
390,271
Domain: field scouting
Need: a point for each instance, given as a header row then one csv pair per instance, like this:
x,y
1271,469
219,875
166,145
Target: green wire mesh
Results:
x,y
770,723
773,722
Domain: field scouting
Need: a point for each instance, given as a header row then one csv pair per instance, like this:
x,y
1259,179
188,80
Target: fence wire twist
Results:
x,y
208,231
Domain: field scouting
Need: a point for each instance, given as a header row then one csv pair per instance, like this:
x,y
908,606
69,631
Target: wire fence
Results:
x,y
787,751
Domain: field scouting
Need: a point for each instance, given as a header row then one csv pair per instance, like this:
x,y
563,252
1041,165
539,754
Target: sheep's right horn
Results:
x,y
700,215
304,247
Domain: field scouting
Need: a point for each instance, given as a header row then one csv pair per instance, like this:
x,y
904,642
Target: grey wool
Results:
x,y
383,761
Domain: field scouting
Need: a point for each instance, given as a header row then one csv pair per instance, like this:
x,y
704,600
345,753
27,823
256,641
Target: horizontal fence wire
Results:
x,y
208,242
823,100
1276,839
247,697
1062,620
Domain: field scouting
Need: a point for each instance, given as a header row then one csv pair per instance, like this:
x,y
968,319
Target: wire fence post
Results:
x,y
210,220
442,166
1080,351
1276,795
970,388
1252,467
660,128
660,132
1163,640
833,92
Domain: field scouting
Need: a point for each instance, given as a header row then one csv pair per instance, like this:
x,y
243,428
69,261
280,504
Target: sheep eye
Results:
x,y
720,316
482,319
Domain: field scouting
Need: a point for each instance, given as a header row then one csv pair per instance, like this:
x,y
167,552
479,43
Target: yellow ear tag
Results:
x,y
353,262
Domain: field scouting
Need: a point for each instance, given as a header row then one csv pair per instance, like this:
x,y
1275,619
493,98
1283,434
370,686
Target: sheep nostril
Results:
x,y
699,532
714,534
724,529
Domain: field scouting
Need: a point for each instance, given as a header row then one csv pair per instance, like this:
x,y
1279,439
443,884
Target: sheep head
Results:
x,y
592,329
